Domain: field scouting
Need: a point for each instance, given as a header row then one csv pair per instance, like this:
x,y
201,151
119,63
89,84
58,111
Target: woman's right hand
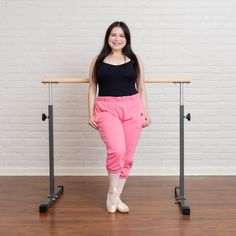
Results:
x,y
92,123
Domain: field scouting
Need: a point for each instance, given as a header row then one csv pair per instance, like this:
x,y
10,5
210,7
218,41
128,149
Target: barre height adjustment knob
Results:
x,y
188,117
44,117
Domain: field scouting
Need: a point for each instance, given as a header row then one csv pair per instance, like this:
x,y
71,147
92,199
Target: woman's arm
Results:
x,y
92,91
142,91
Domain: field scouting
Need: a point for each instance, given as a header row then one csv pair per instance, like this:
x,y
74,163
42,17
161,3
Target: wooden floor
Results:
x,y
81,209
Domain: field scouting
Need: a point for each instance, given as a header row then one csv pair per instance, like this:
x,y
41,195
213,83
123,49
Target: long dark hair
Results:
x,y
127,51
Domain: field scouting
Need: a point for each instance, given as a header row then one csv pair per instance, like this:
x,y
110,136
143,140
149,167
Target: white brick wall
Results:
x,y
175,38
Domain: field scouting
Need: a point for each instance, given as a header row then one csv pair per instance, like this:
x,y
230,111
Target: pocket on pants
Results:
x,y
95,114
142,117
98,112
137,112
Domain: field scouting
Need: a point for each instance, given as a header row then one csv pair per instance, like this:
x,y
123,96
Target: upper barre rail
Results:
x,y
148,80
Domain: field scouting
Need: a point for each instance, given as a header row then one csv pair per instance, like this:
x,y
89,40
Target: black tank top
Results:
x,y
116,80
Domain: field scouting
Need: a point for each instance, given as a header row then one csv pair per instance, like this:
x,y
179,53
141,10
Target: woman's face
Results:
x,y
117,39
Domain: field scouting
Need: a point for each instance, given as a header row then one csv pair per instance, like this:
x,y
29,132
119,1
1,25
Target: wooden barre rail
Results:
x,y
148,80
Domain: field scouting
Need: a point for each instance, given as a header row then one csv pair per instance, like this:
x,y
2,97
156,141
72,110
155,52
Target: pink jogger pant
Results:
x,y
119,121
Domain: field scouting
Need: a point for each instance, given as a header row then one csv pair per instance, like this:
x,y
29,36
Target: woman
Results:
x,y
119,112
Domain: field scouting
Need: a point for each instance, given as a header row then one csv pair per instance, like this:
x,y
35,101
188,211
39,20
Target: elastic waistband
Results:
x,y
118,99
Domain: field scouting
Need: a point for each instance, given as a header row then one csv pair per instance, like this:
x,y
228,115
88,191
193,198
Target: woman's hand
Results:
x,y
92,123
147,121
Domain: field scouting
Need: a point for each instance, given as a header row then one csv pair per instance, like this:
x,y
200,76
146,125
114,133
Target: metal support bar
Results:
x,y
53,195
51,149
179,191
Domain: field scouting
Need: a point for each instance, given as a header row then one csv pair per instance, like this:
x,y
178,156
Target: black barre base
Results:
x,y
50,200
183,203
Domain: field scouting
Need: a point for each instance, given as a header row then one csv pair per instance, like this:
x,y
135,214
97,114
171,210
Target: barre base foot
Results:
x,y
182,202
50,200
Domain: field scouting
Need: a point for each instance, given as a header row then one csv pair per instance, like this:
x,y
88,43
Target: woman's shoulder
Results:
x,y
94,60
138,55
139,58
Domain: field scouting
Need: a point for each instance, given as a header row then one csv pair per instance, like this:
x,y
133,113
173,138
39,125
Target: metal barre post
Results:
x,y
179,191
52,196
181,141
51,142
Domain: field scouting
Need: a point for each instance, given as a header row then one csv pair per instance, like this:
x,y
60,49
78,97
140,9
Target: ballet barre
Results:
x,y
179,191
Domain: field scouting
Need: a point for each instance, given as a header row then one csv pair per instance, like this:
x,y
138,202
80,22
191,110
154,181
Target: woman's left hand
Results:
x,y
147,121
